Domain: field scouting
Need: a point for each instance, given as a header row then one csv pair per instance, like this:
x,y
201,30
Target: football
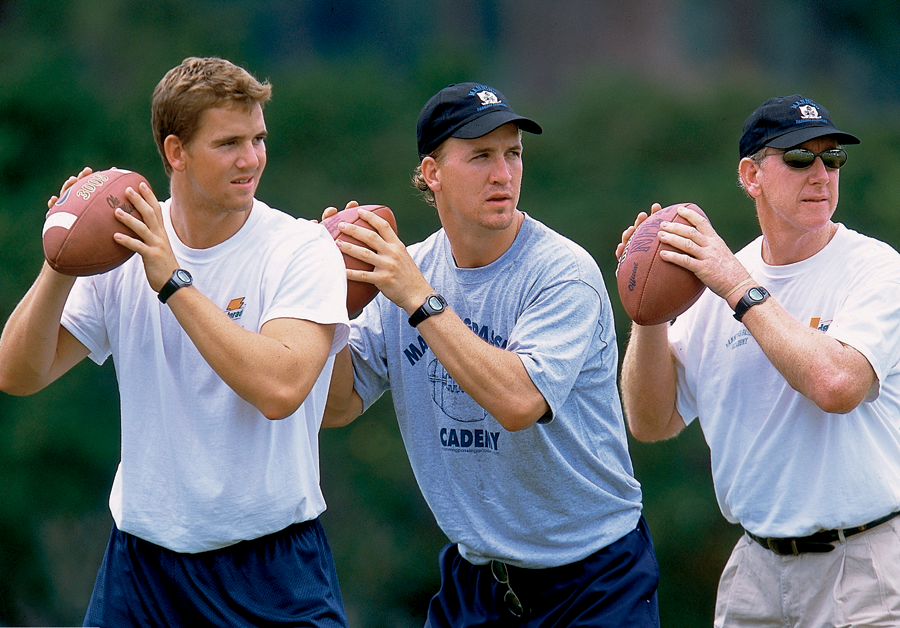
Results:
x,y
78,230
359,293
654,291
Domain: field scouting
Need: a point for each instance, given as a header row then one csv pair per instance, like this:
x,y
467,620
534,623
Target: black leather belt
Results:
x,y
820,542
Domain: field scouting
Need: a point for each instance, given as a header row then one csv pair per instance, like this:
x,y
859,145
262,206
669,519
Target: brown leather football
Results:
x,y
359,293
78,230
652,290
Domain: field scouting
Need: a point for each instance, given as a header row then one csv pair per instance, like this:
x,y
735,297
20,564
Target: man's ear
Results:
x,y
748,171
431,173
175,152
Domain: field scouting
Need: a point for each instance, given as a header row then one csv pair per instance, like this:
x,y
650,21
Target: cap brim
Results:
x,y
795,138
493,120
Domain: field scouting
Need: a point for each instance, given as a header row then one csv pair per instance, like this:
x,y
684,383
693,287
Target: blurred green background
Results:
x,y
640,102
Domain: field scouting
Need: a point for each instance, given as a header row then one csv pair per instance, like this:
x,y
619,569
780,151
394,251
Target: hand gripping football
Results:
x,y
79,228
359,293
654,291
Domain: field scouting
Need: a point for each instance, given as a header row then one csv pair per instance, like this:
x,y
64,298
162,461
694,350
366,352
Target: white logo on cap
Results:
x,y
808,112
488,98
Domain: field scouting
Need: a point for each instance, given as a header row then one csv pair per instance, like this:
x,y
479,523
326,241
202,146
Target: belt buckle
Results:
x,y
777,546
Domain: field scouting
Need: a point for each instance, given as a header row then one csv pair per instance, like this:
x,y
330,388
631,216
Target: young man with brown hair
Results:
x,y
223,330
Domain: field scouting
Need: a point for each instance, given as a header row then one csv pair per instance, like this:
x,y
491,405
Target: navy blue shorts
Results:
x,y
614,587
282,579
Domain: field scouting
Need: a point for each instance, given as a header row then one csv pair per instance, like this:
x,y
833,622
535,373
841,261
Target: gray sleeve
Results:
x,y
554,336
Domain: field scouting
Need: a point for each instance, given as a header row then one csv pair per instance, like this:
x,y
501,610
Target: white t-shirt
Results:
x,y
202,468
781,466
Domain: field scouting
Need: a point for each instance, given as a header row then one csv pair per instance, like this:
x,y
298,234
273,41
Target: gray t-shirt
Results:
x,y
541,497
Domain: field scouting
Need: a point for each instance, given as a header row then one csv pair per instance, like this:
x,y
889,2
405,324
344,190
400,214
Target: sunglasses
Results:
x,y
800,158
513,604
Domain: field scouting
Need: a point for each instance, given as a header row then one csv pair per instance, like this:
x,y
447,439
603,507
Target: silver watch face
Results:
x,y
755,294
434,303
183,276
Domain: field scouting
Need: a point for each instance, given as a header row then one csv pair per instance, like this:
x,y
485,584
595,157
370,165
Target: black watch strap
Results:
x,y
434,304
753,296
179,279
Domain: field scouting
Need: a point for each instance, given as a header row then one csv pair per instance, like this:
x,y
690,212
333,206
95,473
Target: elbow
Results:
x,y
839,395
648,428
6,385
521,417
515,423
342,406
838,402
276,412
276,415
12,385
644,434
334,418
641,434
15,391
278,406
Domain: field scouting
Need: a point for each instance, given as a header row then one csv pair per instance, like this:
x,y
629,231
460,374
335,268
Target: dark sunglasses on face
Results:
x,y
800,158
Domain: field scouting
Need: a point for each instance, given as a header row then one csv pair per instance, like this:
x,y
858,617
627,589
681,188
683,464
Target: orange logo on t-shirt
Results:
x,y
235,308
816,322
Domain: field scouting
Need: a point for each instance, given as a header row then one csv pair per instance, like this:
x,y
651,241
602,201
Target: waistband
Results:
x,y
818,543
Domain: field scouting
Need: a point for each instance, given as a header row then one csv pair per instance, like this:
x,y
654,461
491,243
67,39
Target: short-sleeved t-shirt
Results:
x,y
201,468
545,496
782,467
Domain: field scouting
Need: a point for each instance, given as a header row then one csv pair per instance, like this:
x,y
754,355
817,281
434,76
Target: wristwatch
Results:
x,y
753,296
434,304
179,279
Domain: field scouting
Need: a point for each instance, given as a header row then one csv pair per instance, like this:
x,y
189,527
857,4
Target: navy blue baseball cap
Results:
x,y
788,121
466,111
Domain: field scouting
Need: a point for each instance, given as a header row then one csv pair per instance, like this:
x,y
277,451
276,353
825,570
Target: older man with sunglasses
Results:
x,y
791,361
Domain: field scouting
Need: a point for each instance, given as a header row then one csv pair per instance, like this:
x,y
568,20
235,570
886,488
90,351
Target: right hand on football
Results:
x,y
152,242
700,249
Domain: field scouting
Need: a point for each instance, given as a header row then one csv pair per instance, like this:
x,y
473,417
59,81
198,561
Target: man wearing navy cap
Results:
x,y
495,336
791,361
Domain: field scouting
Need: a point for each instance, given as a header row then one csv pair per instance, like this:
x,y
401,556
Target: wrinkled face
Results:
x,y
226,158
477,182
801,200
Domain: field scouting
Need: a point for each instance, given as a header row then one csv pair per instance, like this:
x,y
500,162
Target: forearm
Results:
x,y
30,355
649,384
274,370
495,378
832,375
344,403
